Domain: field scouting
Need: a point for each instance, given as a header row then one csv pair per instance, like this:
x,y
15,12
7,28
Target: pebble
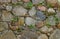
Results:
x,y
55,34
6,16
5,1
51,10
8,8
50,29
8,35
32,12
51,21
29,35
19,11
3,26
44,29
42,8
40,15
42,36
30,21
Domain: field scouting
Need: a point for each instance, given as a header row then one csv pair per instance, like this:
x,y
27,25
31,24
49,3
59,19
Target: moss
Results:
x,y
29,5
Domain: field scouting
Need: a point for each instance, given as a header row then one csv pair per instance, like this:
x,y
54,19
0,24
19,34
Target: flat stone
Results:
x,y
37,1
8,35
6,16
40,15
52,2
29,35
55,34
5,1
42,36
44,29
30,21
32,12
51,20
3,26
19,11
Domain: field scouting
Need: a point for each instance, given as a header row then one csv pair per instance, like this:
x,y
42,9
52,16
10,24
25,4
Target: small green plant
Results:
x,y
29,5
49,5
48,25
15,19
31,26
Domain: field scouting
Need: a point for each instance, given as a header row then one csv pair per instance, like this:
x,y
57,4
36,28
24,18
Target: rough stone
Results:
x,y
44,29
55,34
42,36
5,1
32,12
19,11
3,26
29,35
30,21
6,16
8,35
40,15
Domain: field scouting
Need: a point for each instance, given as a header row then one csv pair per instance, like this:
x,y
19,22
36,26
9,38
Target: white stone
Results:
x,y
51,10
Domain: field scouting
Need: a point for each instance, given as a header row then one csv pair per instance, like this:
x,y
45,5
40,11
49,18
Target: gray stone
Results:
x,y
40,15
5,1
8,35
32,12
6,16
29,35
30,21
51,20
19,11
55,34
42,36
37,1
3,26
